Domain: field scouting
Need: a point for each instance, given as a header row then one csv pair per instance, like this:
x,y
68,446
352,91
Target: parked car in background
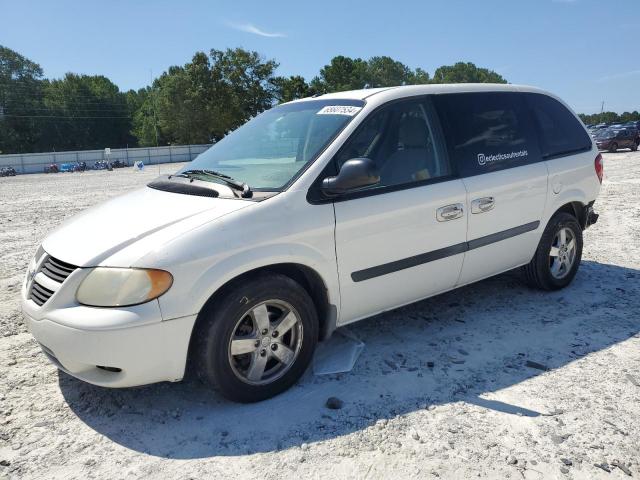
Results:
x,y
315,214
612,139
51,168
101,165
635,125
7,172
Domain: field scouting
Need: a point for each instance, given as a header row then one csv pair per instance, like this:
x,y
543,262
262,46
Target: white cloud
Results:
x,y
251,28
618,76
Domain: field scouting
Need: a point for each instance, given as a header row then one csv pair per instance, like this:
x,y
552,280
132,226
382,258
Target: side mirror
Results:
x,y
354,174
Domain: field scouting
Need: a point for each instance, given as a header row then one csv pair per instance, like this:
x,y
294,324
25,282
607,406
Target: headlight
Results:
x,y
121,287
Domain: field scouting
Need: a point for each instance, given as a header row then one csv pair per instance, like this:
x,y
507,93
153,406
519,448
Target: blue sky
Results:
x,y
586,51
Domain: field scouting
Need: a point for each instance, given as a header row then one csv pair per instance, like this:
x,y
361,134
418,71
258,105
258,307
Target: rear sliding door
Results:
x,y
494,146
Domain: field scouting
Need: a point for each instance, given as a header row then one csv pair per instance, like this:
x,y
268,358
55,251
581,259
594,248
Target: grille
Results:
x,y
39,294
54,269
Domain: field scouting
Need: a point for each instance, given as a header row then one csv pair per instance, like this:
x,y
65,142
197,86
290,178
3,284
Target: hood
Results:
x,y
99,232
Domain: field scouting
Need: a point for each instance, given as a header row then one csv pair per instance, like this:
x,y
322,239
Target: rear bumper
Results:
x,y
134,355
591,217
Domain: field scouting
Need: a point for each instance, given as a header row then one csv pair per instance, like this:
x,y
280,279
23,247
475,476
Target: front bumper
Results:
x,y
118,357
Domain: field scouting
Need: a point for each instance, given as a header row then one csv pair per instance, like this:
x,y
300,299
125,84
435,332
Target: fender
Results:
x,y
558,200
229,267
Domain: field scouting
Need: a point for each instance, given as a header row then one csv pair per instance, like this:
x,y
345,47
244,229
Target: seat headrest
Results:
x,y
413,133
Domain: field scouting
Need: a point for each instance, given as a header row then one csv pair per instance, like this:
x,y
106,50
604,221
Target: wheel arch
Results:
x,y
577,209
306,276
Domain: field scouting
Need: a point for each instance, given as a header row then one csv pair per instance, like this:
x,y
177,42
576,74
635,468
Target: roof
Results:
x,y
410,90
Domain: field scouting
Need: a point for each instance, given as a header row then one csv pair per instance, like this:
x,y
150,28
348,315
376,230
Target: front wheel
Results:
x,y
257,339
558,255
613,148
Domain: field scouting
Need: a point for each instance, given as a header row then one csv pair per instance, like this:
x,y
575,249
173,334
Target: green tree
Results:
x,y
20,102
212,95
87,112
342,73
419,77
387,72
145,121
290,88
466,73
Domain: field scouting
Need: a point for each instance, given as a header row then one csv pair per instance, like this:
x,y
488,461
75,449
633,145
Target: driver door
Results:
x,y
404,238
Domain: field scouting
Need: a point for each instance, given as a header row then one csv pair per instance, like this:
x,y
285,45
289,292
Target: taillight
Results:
x,y
599,165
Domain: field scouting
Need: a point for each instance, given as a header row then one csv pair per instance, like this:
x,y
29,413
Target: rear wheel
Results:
x,y
257,339
558,255
634,147
613,148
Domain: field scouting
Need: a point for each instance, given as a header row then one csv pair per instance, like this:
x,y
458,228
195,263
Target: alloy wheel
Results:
x,y
265,342
563,253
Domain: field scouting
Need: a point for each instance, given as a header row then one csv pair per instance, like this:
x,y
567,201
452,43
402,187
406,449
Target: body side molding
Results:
x,y
409,262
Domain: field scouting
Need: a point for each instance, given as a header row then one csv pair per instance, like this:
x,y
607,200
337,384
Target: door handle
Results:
x,y
484,204
449,212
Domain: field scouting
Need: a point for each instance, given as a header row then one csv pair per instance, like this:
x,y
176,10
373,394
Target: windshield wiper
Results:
x,y
243,188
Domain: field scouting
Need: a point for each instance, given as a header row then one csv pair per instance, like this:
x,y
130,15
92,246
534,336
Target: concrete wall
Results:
x,y
36,162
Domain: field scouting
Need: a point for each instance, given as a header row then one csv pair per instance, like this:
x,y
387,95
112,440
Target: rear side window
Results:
x,y
559,130
487,131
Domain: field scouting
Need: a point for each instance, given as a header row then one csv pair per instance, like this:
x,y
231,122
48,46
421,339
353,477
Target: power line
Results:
x,y
71,117
74,109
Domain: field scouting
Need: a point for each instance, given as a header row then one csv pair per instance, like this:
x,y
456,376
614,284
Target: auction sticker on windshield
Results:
x,y
348,110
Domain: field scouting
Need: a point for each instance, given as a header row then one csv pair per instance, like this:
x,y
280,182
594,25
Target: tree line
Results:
x,y
610,117
199,102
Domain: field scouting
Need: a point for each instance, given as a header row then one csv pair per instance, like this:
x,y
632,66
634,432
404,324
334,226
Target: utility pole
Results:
x,y
155,116
602,107
153,103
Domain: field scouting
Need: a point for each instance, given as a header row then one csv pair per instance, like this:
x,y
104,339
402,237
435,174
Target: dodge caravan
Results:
x,y
313,215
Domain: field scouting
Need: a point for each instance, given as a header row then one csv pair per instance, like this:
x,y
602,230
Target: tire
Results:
x,y
613,148
545,271
237,314
634,147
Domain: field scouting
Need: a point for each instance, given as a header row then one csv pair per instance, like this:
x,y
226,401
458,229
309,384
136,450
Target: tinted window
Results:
x,y
560,132
487,131
402,141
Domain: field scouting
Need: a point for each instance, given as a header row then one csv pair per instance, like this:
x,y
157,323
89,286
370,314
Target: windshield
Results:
x,y
269,150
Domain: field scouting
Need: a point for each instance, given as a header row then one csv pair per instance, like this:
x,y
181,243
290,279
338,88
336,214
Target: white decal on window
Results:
x,y
348,110
484,159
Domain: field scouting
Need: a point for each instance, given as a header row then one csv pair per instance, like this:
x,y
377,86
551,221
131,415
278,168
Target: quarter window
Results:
x,y
487,131
560,132
403,143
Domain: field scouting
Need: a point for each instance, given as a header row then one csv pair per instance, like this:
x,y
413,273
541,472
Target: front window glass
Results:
x,y
269,150
402,142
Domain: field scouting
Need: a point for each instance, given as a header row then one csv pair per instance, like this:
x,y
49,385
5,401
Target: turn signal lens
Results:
x,y
121,287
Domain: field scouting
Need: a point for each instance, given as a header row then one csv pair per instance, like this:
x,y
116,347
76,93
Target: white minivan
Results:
x,y
313,215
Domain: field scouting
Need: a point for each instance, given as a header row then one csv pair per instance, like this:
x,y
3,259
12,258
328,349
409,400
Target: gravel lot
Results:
x,y
444,388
